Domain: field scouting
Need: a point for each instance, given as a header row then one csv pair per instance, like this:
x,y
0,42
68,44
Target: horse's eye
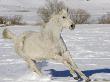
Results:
x,y
63,17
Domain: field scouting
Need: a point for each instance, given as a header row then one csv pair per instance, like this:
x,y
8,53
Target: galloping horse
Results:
x,y
46,44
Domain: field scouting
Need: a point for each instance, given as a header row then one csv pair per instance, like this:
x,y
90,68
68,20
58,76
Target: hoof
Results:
x,y
88,80
76,78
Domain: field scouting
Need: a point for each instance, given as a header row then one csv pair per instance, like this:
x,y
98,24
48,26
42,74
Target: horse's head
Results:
x,y
65,20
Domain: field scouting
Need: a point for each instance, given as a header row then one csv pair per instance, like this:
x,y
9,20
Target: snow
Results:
x,y
89,46
22,3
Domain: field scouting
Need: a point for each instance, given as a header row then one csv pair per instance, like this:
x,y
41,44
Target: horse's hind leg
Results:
x,y
32,65
62,60
72,71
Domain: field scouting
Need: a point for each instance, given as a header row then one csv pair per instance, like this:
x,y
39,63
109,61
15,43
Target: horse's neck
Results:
x,y
53,30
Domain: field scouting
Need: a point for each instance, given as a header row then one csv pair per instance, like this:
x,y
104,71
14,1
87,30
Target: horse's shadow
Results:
x,y
88,73
67,73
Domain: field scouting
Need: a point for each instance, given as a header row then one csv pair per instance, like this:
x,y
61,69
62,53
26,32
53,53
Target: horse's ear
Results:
x,y
67,10
60,12
63,11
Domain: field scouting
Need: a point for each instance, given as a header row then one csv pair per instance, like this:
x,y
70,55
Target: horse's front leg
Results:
x,y
61,59
72,64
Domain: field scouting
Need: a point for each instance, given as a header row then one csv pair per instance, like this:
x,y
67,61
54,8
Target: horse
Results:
x,y
46,44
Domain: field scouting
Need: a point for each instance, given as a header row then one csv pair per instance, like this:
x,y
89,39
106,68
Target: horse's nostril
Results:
x,y
72,25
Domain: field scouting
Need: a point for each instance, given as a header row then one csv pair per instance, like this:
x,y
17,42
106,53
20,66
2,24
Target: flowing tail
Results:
x,y
8,34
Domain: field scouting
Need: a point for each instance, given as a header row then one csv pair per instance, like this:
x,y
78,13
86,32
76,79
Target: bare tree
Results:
x,y
105,19
15,20
3,20
79,16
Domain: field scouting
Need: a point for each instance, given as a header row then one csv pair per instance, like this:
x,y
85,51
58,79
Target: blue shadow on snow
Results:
x,y
88,73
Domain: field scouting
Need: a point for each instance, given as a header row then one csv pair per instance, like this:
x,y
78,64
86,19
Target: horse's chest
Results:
x,y
49,47
53,47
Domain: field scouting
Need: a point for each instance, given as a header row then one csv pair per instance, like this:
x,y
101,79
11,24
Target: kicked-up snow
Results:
x,y
88,44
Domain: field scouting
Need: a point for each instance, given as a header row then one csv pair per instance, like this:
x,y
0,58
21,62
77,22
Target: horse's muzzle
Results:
x,y
72,26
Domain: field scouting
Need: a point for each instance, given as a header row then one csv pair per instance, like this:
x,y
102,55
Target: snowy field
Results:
x,y
89,45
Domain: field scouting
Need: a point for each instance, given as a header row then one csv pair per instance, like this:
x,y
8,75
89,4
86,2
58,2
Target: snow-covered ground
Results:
x,y
89,45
